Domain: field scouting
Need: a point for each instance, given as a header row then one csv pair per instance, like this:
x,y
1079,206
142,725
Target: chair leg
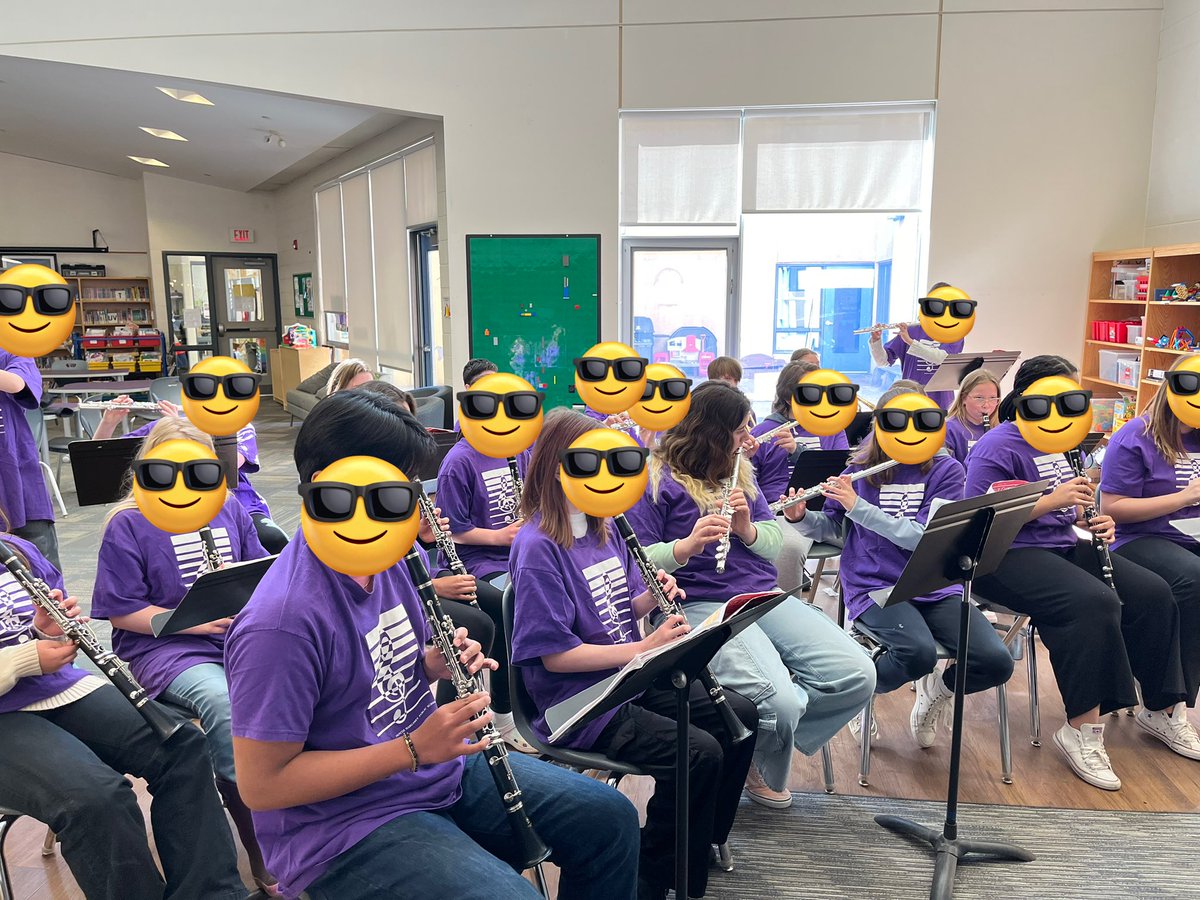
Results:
x,y
1035,713
1005,744
724,857
816,582
827,767
864,766
54,488
6,889
539,879
58,467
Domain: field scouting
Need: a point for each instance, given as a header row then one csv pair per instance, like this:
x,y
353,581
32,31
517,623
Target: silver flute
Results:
x,y
726,511
813,492
767,435
113,404
625,425
162,723
890,326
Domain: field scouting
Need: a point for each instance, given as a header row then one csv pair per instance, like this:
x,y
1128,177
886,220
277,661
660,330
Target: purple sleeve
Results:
x,y
251,547
646,517
543,620
759,510
120,573
773,469
455,482
945,483
837,441
984,469
956,440
31,395
896,349
1124,471
268,705
141,431
247,446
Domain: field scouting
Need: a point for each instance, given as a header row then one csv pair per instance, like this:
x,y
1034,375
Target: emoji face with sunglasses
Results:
x,y
610,377
603,473
37,310
180,488
910,429
220,395
947,314
360,515
1183,391
1054,414
501,415
665,400
824,402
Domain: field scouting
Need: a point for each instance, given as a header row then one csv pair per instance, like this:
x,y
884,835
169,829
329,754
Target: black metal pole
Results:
x,y
683,712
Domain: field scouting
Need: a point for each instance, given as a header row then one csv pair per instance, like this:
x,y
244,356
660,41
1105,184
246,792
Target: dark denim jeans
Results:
x,y
465,851
65,767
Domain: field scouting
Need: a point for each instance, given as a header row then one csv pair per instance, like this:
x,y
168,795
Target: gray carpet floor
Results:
x,y
830,847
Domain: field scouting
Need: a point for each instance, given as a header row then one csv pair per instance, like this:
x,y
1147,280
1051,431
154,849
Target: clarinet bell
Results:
x,y
161,720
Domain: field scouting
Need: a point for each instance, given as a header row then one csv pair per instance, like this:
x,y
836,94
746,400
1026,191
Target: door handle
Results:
x,y
220,329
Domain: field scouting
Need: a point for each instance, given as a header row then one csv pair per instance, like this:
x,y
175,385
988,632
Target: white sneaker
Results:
x,y
1085,753
855,726
508,733
1173,730
933,706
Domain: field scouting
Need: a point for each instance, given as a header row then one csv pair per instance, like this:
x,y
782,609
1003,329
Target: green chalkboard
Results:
x,y
533,303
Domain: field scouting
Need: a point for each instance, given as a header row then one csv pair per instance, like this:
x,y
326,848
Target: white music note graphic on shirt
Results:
x,y
901,501
189,553
16,612
1186,469
397,696
606,580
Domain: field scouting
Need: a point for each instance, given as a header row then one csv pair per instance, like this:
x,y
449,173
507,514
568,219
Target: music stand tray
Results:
x,y
952,369
101,468
214,595
962,541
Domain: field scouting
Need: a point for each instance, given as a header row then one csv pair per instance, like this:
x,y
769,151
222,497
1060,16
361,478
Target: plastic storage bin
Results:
x,y
1110,363
1129,371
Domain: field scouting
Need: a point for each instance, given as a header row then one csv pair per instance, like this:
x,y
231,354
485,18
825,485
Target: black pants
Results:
x,y
271,536
1179,564
643,733
479,626
41,533
1097,646
910,630
490,599
64,767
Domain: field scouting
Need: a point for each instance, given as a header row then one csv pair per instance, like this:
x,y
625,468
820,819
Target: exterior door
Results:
x,y
246,307
189,309
429,352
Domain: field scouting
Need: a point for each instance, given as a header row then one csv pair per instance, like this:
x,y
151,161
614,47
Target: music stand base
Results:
x,y
950,851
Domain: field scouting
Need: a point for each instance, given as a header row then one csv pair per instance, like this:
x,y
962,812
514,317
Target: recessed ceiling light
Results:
x,y
163,133
186,96
149,161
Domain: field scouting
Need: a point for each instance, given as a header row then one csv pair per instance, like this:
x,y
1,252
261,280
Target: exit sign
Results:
x,y
241,235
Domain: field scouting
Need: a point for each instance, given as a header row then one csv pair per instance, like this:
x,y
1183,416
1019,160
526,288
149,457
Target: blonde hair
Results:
x,y
979,376
1163,425
345,372
169,428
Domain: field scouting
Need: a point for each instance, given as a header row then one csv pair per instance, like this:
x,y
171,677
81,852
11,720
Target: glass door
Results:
x,y
247,310
189,309
430,355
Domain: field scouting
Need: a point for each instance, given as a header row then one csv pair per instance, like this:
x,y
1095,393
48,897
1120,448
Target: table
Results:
x,y
87,388
83,374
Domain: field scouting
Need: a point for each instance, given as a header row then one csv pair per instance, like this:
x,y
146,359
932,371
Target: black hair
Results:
x,y
1033,369
389,390
360,423
476,368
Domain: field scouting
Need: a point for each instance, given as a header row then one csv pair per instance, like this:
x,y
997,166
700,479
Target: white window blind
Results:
x,y
393,303
679,168
853,159
360,274
331,282
420,184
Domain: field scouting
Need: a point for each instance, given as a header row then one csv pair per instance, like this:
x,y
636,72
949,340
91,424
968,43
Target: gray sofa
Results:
x,y
433,403
304,396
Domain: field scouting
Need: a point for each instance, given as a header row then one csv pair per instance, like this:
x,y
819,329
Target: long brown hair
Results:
x,y
785,386
869,453
958,409
1163,425
542,490
700,449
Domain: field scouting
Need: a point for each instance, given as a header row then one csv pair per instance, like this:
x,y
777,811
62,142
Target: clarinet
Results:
x,y
813,492
670,607
517,487
1075,458
987,422
443,540
114,668
212,556
726,511
533,851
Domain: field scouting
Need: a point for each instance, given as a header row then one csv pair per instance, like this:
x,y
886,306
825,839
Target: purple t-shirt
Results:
x,y
961,437
917,369
23,494
1133,467
773,465
141,565
247,445
566,598
476,491
16,628
671,517
314,659
1003,455
869,560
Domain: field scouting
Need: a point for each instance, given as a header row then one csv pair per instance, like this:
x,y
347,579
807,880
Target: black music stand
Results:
x,y
813,467
101,468
962,541
955,367
214,595
676,667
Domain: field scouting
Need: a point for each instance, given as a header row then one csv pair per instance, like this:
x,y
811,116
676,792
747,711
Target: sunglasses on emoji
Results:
x,y
1070,405
595,368
335,501
935,307
1183,382
623,462
485,404
48,299
896,420
237,386
673,389
838,394
160,474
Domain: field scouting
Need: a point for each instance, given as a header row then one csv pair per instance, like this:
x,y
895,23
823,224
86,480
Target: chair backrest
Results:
x,y
167,389
37,424
89,420
446,394
523,709
72,363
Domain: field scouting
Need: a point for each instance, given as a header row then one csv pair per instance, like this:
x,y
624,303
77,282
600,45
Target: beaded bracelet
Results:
x,y
412,751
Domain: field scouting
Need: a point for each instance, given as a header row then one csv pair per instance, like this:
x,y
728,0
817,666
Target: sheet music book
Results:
x,y
561,717
214,595
1190,527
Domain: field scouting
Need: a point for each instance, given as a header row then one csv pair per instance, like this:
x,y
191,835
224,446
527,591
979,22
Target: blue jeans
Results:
x,y
203,691
805,675
466,851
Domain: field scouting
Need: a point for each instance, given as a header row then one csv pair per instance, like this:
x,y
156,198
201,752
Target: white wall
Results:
x,y
1043,129
1173,205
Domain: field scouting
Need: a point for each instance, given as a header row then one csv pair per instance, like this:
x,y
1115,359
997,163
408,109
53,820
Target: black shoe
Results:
x,y
648,891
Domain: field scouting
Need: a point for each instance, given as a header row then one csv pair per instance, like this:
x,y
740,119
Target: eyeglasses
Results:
x,y
984,400
595,368
623,462
838,394
1071,404
160,474
485,404
237,386
673,389
1183,382
335,501
936,307
896,420
48,299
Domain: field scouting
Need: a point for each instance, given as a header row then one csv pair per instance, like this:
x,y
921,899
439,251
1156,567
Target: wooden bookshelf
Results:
x,y
1168,265
107,302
